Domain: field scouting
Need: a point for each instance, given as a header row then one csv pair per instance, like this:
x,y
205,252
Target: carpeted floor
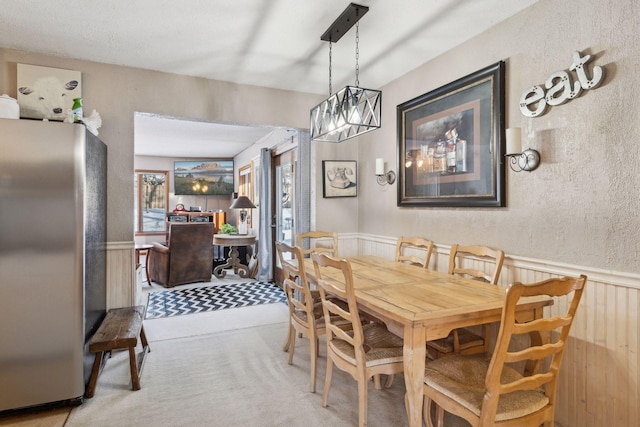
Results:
x,y
240,378
209,298
227,368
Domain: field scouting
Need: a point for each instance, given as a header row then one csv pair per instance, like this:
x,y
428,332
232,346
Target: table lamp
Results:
x,y
243,203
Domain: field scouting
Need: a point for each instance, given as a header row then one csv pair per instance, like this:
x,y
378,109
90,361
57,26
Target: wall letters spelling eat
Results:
x,y
560,87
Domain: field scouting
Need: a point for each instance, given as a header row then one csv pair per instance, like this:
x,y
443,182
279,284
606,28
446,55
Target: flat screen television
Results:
x,y
203,177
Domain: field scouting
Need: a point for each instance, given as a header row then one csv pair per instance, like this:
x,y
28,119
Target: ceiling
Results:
x,y
173,137
270,43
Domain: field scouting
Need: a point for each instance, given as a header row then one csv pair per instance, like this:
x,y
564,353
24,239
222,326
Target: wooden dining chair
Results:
x,y
364,352
407,249
492,392
305,314
318,241
464,340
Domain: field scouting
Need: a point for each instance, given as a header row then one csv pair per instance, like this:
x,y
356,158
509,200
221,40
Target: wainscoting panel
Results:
x,y
348,244
121,287
598,385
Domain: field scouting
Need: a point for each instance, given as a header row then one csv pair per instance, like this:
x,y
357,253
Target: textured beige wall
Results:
x,y
581,205
339,214
118,92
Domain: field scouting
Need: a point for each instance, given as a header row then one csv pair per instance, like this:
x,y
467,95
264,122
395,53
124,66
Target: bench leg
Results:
x,y
135,379
93,379
143,339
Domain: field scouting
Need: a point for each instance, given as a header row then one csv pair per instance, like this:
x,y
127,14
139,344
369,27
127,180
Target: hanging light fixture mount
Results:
x,y
344,22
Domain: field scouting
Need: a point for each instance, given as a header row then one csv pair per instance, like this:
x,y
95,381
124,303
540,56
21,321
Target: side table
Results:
x,y
233,241
146,250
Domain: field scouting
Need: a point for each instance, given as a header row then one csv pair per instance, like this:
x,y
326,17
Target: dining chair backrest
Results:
x,y
495,392
305,314
557,325
465,340
318,241
364,351
407,249
295,279
484,253
336,314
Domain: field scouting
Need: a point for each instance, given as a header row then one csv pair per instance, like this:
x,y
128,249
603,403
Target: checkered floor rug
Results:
x,y
210,298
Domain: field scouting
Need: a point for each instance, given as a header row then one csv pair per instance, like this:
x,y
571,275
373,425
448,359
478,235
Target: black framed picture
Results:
x,y
339,178
451,144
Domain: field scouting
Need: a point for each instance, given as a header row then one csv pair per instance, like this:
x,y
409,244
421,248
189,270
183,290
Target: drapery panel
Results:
x,y
265,259
302,222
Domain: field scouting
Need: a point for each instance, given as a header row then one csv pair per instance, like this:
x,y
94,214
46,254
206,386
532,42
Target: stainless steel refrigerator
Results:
x,y
52,260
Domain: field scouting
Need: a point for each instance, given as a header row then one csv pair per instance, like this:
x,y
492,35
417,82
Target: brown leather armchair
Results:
x,y
186,258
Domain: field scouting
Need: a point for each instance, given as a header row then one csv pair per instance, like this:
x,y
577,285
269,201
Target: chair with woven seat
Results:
x,y
493,392
407,249
305,314
318,241
464,340
365,351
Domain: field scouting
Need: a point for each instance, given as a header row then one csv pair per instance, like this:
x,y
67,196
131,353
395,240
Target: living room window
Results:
x,y
151,199
244,181
245,188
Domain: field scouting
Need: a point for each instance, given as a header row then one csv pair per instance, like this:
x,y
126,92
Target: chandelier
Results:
x,y
352,110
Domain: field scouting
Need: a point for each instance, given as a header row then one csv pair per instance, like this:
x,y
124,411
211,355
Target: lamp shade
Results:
x,y
242,202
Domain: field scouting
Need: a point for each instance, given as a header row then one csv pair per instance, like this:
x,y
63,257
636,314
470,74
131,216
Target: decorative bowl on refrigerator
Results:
x,y
9,108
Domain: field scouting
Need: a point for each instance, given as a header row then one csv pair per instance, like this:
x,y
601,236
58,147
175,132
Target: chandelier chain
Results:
x,y
330,91
357,53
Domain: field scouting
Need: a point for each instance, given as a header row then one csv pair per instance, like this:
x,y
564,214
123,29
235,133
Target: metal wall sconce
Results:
x,y
519,160
383,177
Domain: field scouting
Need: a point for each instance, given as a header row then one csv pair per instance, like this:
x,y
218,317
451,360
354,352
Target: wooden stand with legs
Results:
x,y
119,330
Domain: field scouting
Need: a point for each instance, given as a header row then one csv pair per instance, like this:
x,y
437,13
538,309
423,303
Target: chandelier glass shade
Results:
x,y
345,114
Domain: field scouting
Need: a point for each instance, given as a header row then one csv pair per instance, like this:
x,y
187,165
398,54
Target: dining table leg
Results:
x,y
414,355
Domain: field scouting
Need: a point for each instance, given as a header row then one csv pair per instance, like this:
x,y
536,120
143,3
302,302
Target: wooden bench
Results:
x,y
119,330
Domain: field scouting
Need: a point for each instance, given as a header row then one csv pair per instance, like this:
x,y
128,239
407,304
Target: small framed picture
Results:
x,y
340,178
47,93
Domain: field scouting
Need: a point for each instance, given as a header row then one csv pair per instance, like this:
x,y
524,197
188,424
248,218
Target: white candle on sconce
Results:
x,y
379,166
514,141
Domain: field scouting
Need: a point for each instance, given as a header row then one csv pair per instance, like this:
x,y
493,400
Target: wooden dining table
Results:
x,y
419,304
